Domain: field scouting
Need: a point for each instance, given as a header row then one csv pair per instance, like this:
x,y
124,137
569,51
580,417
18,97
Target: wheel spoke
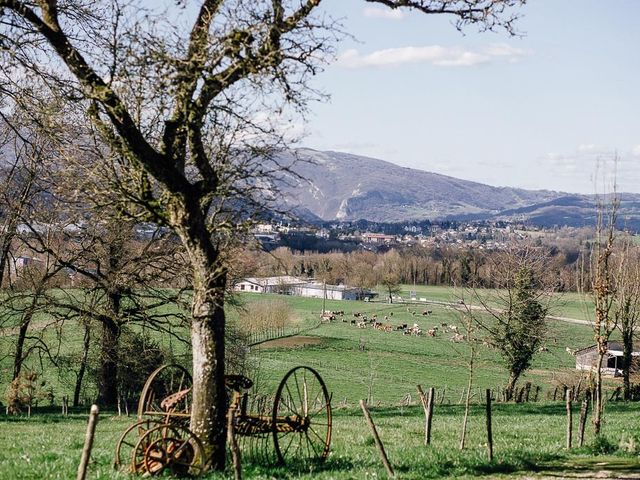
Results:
x,y
323,440
288,446
306,395
312,445
293,409
295,377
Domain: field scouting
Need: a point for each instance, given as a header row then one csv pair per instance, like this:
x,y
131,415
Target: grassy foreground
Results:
x,y
356,363
529,441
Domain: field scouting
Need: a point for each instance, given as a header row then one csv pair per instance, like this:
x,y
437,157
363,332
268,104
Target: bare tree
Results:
x,y
469,324
22,149
627,304
604,292
178,113
515,324
118,280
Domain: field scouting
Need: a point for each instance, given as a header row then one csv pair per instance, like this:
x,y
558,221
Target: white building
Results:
x,y
288,285
282,284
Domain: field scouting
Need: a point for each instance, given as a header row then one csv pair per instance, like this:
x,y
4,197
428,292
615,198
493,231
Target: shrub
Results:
x,y
602,446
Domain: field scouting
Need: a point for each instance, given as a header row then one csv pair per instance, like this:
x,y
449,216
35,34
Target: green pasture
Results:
x,y
359,363
356,363
529,442
569,304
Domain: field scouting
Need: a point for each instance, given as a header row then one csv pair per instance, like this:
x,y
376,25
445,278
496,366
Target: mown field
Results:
x,y
385,366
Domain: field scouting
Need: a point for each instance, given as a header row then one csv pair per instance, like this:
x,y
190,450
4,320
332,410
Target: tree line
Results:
x,y
447,265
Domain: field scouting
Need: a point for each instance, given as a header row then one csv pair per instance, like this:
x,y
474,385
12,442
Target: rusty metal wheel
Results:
x,y
301,418
128,441
171,448
163,382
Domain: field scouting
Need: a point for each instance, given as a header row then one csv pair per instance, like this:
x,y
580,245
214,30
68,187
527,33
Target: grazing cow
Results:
x,y
426,312
570,351
353,322
386,318
362,325
457,338
543,349
453,328
432,332
391,314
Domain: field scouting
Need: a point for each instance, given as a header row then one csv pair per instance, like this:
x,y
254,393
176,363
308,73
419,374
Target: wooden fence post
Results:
x,y
569,418
489,432
88,443
233,443
376,438
427,405
583,418
527,391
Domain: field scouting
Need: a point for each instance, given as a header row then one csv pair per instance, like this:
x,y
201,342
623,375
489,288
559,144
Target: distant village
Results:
x,y
373,236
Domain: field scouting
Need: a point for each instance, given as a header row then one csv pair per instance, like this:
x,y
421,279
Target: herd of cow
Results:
x,y
361,320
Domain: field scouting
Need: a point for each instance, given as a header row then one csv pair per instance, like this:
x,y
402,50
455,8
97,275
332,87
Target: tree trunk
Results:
x,y
627,347
208,408
86,342
207,340
467,400
18,359
5,247
108,385
597,396
511,385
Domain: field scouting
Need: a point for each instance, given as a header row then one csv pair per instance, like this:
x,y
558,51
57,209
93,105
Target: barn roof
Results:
x,y
613,346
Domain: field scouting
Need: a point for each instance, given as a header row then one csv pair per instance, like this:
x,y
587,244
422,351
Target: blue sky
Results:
x,y
547,110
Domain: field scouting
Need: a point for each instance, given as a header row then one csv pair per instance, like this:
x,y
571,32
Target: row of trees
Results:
x,y
444,265
60,262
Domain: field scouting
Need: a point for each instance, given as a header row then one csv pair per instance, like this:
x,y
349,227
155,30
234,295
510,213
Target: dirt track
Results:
x,y
291,342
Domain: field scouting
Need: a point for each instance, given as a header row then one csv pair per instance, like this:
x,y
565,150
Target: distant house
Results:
x,y
612,363
378,238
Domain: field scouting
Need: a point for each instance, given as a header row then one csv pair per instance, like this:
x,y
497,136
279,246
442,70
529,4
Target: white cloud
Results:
x,y
386,13
433,54
592,167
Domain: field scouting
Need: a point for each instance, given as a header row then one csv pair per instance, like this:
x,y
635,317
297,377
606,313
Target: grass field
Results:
x,y
529,441
529,438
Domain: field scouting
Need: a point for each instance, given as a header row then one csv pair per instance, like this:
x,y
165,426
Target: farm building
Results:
x,y
288,285
283,284
332,292
612,363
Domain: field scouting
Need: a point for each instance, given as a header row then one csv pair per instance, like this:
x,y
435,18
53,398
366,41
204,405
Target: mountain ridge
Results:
x,y
347,187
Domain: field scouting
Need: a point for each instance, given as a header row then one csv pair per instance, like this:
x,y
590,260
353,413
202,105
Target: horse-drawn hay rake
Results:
x,y
298,425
